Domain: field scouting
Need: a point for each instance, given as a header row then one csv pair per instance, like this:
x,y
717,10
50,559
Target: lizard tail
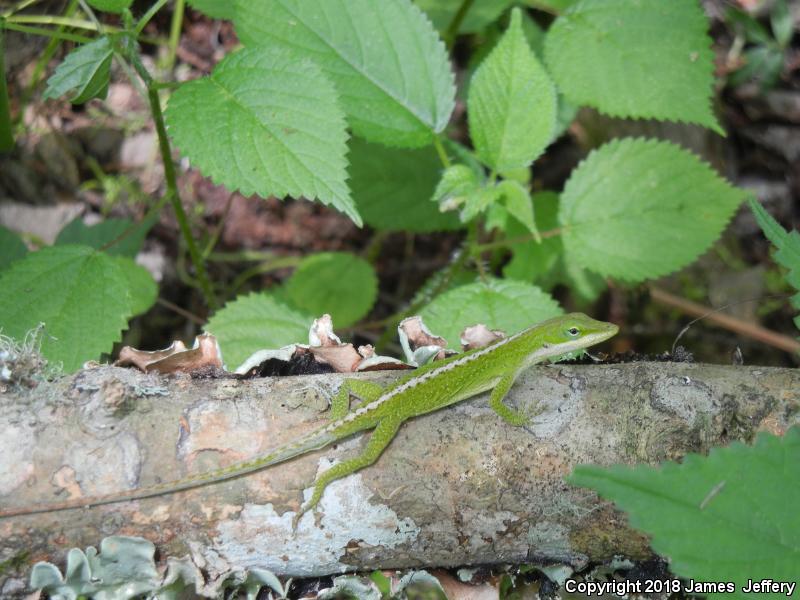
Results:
x,y
313,441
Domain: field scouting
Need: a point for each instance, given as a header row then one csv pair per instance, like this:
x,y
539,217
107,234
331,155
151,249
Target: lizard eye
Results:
x,y
573,331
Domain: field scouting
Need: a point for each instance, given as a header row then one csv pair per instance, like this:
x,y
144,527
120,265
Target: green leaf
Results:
x,y
782,23
11,247
256,322
337,283
788,245
85,73
730,516
265,123
392,188
216,9
480,14
763,64
111,6
614,55
81,295
456,185
744,23
142,287
508,305
103,233
387,62
517,201
479,201
512,104
639,209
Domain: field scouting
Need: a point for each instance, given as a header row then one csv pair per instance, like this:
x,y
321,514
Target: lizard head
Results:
x,y
568,335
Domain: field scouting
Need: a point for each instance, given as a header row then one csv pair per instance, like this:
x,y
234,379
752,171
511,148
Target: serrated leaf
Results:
x,y
512,103
85,72
216,9
81,295
387,62
340,284
111,6
639,209
480,14
11,247
635,58
392,188
788,245
142,287
265,123
103,233
507,305
478,202
730,516
256,322
457,183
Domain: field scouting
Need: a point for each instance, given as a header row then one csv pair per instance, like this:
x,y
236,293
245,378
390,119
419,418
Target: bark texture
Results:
x,y
455,487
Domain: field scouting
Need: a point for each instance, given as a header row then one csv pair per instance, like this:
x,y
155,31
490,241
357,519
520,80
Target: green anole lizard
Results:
x,y
384,410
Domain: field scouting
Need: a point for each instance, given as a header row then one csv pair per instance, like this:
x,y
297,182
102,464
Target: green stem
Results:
x,y
242,256
151,12
455,24
437,143
21,6
55,35
53,20
6,138
175,33
174,196
479,248
374,246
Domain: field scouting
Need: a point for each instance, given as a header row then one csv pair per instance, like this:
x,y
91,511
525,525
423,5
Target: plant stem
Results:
x,y
751,330
55,35
175,33
21,6
437,143
174,196
151,12
6,139
53,20
477,249
455,24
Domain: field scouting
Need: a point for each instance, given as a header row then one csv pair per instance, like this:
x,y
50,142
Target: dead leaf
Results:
x,y
478,336
203,354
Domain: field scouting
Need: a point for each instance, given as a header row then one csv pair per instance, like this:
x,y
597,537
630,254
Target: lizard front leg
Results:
x,y
365,390
381,437
496,400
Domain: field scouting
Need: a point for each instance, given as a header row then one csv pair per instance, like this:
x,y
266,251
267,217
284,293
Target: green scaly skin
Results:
x,y
494,367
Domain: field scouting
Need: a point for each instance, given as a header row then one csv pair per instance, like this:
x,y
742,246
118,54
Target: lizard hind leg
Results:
x,y
365,390
381,437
